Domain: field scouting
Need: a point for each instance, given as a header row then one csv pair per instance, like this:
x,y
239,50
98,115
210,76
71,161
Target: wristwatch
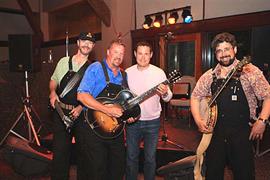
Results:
x,y
265,121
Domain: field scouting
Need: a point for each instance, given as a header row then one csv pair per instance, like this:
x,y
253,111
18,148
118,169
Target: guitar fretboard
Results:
x,y
133,102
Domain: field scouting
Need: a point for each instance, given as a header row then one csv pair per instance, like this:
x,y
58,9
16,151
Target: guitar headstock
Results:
x,y
246,60
174,76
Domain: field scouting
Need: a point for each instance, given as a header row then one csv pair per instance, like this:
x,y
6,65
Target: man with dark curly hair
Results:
x,y
231,139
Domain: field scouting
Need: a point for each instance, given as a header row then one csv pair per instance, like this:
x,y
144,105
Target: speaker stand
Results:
x,y
28,109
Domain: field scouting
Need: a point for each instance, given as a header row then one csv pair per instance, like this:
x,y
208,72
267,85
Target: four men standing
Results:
x,y
105,159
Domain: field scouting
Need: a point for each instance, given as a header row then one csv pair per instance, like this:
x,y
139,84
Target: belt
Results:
x,y
66,106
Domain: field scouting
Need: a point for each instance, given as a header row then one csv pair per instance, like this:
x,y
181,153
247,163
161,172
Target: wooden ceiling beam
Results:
x,y
102,11
31,18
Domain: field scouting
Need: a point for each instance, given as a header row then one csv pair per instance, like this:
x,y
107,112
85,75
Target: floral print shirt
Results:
x,y
252,79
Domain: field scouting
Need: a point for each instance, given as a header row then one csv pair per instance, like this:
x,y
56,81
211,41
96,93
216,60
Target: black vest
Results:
x,y
111,89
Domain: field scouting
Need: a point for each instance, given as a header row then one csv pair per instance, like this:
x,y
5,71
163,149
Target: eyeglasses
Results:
x,y
220,51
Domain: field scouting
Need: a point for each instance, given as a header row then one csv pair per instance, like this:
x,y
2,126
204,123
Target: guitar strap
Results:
x,y
124,75
75,79
205,141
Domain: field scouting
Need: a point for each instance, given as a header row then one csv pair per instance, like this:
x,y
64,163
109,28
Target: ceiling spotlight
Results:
x,y
173,18
187,17
158,21
147,23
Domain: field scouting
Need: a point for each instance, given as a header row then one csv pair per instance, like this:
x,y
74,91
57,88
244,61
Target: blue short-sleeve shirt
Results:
x,y
94,81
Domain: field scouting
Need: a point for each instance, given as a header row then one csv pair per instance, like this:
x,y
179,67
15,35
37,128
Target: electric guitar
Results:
x,y
107,127
66,119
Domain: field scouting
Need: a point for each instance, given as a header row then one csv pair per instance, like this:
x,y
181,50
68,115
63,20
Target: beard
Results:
x,y
226,64
84,50
117,62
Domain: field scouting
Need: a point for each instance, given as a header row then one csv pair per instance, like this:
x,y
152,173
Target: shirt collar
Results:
x,y
218,67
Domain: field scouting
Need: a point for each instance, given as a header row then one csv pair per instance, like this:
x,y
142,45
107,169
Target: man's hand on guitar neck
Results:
x,y
162,89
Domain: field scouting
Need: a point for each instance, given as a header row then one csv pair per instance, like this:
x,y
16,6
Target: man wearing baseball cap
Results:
x,y
86,36
63,93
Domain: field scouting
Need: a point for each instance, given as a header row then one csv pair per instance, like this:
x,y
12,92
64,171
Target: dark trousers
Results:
x,y
62,144
105,159
230,145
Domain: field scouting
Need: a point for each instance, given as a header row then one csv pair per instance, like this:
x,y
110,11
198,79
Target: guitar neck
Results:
x,y
227,79
151,91
59,109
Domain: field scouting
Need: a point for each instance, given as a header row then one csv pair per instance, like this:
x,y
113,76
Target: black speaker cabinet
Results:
x,y
24,53
26,158
179,170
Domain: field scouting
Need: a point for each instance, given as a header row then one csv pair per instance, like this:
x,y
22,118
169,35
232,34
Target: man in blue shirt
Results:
x,y
105,158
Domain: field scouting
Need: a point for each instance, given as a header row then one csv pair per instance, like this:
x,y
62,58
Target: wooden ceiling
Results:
x,y
73,19
98,7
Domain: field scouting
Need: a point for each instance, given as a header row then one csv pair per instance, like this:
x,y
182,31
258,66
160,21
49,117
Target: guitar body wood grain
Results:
x,y
108,127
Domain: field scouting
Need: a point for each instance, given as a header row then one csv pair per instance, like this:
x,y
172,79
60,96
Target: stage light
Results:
x,y
158,21
173,18
170,17
186,15
148,22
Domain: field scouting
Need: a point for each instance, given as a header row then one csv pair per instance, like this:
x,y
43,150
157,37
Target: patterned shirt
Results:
x,y
252,80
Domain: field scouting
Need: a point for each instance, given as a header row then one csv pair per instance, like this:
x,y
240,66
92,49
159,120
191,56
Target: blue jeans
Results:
x,y
148,132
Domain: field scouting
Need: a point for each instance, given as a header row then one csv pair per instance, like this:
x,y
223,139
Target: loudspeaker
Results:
x,y
179,170
26,158
24,53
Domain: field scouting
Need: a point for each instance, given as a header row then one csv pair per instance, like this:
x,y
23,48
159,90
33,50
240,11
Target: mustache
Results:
x,y
85,47
222,57
117,58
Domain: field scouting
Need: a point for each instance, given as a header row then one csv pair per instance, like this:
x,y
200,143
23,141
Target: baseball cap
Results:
x,y
86,36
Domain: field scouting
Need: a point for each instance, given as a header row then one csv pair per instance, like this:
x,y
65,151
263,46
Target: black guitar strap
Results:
x,y
75,79
124,83
70,64
105,72
124,75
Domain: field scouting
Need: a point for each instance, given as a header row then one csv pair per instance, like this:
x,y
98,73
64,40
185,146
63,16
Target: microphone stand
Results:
x,y
164,136
67,43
